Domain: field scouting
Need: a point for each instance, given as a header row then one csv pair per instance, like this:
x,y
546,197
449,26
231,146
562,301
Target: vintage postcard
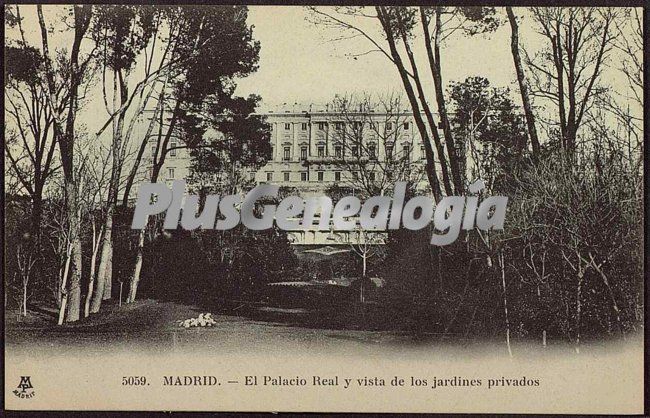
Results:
x,y
378,208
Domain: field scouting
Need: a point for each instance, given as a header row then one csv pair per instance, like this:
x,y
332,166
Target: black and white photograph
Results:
x,y
325,208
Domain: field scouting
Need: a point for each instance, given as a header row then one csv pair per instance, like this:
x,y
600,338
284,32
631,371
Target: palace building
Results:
x,y
317,148
314,149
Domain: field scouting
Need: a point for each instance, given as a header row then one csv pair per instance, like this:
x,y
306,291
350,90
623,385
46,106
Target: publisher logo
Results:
x,y
25,388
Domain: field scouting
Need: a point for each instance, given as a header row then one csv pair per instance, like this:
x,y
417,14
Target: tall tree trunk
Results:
x,y
135,279
433,68
427,111
119,148
430,168
610,292
143,145
106,246
37,216
74,285
579,306
157,166
108,282
82,16
36,238
134,170
523,83
502,265
458,177
93,269
24,307
65,139
64,282
104,286
59,280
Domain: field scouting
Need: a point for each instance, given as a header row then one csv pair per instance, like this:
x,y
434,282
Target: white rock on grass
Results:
x,y
203,320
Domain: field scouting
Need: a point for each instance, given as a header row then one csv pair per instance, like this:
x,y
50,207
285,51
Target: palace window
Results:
x,y
286,176
372,152
389,153
303,153
172,150
371,176
321,151
406,125
389,126
287,126
355,151
304,126
303,176
337,175
406,150
287,153
321,175
269,176
170,173
339,126
338,151
321,126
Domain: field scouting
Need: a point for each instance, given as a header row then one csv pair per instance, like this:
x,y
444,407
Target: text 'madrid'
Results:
x,y
294,213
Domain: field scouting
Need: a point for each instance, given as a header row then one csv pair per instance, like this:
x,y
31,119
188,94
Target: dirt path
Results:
x,y
152,327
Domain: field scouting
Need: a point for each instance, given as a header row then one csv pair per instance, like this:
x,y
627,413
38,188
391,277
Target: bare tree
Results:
x,y
366,245
68,233
629,41
29,146
578,41
524,87
96,178
373,143
162,148
502,267
399,33
197,38
625,104
25,261
122,32
574,260
64,134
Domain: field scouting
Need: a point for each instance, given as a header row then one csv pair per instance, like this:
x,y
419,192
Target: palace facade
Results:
x,y
315,149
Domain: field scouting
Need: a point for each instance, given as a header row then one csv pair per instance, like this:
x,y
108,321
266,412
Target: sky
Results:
x,y
299,62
